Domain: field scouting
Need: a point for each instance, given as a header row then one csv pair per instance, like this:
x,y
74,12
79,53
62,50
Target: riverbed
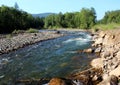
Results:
x,y
52,58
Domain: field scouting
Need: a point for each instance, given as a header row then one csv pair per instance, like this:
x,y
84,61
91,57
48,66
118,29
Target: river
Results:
x,y
52,58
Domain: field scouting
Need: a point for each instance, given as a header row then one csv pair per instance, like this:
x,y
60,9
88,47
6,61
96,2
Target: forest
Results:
x,y
12,18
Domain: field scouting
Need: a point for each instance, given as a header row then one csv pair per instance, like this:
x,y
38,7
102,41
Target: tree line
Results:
x,y
84,19
111,17
12,18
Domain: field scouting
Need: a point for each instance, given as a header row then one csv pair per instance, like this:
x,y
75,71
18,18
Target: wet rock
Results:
x,y
77,82
58,32
2,76
92,34
57,81
89,50
60,81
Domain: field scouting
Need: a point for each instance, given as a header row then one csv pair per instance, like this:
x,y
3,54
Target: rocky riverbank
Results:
x,y
107,43
105,69
13,42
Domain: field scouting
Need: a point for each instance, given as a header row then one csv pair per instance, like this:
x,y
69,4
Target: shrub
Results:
x,y
18,31
31,30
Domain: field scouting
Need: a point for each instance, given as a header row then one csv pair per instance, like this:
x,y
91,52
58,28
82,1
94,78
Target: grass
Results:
x,y
31,30
106,26
18,31
8,36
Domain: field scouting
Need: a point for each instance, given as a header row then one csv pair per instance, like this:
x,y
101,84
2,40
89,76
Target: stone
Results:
x,y
89,50
105,54
58,32
115,60
56,81
118,55
115,72
113,36
97,63
0,49
99,41
109,80
77,82
102,34
98,50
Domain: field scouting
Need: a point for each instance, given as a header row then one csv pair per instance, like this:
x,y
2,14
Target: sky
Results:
x,y
56,6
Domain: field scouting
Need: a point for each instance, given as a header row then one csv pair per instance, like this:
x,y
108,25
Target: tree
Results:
x,y
111,17
12,19
16,6
84,19
87,18
50,21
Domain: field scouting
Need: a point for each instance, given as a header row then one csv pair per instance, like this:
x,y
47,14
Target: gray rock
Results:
x,y
98,50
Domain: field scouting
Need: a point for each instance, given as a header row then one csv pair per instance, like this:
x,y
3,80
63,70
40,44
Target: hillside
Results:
x,y
42,14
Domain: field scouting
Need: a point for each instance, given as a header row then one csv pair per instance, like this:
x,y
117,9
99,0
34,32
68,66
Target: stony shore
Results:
x,y
107,44
13,42
105,69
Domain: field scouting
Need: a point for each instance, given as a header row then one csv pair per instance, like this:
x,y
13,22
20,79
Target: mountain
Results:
x,y
42,14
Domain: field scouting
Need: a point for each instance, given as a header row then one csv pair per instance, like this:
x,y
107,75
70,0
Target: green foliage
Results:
x,y
111,17
84,19
11,19
18,31
87,18
31,30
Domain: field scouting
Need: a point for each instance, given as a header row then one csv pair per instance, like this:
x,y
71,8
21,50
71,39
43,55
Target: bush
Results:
x,y
18,31
31,30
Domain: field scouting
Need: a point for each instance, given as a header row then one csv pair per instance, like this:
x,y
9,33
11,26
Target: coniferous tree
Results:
x,y
16,6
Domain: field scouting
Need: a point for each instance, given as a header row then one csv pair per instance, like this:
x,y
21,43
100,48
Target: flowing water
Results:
x,y
52,58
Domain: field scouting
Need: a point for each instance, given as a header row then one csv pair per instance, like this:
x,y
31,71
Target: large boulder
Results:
x,y
57,81
97,63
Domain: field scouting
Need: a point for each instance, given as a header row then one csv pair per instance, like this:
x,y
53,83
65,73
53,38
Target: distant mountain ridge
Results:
x,y
42,14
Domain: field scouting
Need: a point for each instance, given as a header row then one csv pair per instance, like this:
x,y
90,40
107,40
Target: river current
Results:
x,y
52,58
